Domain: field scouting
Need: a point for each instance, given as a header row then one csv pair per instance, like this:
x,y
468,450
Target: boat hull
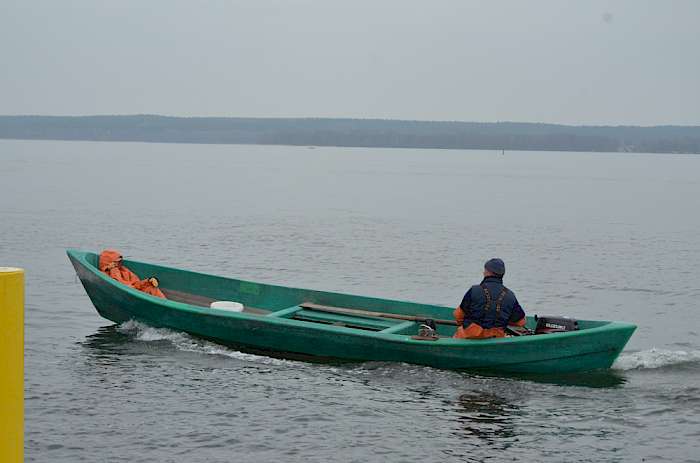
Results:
x,y
594,347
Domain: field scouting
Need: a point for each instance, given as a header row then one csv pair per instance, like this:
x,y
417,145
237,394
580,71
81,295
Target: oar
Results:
x,y
367,313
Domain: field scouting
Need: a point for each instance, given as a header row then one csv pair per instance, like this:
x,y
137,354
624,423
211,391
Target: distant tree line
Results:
x,y
356,132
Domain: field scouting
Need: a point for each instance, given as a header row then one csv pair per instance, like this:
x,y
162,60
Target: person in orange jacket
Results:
x,y
112,263
489,307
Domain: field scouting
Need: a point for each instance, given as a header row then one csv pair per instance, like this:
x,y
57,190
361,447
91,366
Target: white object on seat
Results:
x,y
227,305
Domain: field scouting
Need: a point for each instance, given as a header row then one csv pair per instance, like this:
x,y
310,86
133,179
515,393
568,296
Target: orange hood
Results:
x,y
107,257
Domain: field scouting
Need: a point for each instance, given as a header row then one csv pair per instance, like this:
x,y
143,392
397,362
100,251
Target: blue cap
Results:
x,y
496,266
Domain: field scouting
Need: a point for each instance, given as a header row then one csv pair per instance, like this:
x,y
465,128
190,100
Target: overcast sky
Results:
x,y
575,62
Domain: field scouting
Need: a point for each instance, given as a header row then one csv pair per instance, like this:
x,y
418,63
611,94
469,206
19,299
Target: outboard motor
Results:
x,y
548,324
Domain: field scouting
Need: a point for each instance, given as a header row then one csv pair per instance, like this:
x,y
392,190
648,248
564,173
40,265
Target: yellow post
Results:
x,y
11,364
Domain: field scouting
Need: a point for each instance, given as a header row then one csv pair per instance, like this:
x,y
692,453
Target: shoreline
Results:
x,y
355,133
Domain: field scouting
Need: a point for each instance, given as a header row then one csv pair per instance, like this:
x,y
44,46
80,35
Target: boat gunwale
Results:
x,y
81,256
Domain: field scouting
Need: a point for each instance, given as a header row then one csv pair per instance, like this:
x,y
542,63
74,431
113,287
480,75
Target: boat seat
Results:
x,y
298,313
399,327
345,320
285,313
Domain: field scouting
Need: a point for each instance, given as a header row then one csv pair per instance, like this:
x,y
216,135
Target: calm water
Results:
x,y
608,236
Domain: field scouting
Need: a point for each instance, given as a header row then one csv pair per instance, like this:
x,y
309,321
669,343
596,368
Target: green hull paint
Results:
x,y
596,345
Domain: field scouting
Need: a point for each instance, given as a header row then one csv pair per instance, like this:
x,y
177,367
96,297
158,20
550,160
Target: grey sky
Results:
x,y
583,62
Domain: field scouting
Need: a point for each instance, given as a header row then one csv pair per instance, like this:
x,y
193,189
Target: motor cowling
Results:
x,y
554,324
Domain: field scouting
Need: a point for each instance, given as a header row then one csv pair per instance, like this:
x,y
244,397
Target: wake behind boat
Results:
x,y
333,325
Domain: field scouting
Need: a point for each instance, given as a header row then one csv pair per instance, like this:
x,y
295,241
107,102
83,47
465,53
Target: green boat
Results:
x,y
316,324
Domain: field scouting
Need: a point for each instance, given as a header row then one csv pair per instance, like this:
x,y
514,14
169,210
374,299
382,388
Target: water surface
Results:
x,y
602,236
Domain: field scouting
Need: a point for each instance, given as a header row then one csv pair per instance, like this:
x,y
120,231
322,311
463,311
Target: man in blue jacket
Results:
x,y
489,307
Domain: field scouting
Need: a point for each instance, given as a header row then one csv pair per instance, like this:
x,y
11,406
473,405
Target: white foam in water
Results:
x,y
654,358
187,343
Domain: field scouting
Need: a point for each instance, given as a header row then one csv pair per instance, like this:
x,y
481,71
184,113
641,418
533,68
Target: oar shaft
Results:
x,y
368,313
